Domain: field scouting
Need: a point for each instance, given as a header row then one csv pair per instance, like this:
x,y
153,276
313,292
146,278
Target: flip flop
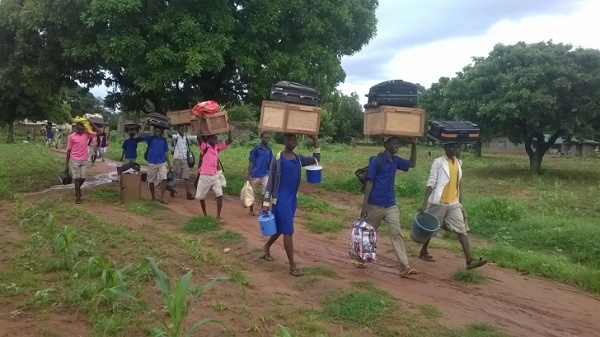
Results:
x,y
409,272
78,202
426,257
360,265
221,221
163,202
476,263
267,257
296,273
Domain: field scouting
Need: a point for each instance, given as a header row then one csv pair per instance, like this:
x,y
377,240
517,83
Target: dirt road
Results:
x,y
520,305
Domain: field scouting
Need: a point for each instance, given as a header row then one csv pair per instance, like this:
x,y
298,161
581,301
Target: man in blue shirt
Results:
x,y
129,154
158,161
258,168
380,199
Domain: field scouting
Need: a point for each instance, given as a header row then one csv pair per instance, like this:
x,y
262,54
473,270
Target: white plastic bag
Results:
x,y
247,195
222,178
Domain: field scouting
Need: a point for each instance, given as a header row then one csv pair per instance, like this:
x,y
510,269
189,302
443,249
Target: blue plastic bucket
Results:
x,y
267,224
425,225
314,173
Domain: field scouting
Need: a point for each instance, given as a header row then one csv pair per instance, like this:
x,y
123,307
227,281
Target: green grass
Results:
x,y
144,207
105,195
468,276
358,306
322,225
27,168
320,271
230,237
201,224
430,311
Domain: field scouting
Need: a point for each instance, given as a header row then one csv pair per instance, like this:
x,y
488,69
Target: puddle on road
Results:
x,y
100,179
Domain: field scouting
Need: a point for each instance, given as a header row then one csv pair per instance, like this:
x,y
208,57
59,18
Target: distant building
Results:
x,y
584,148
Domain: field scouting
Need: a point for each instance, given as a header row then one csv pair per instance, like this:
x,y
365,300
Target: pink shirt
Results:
x,y
78,145
210,158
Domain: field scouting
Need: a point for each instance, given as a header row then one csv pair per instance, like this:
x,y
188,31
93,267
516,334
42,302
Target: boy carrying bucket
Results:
x,y
443,199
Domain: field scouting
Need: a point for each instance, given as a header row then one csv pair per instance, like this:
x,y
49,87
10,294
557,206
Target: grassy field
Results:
x,y
27,168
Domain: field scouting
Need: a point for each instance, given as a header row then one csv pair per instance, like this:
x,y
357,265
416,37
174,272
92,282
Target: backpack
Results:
x,y
361,173
363,242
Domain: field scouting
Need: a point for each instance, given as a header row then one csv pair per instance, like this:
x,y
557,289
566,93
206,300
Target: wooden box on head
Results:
x,y
180,116
211,124
290,118
394,121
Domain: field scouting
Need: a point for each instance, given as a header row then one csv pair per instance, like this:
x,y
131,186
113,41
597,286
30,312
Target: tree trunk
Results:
x,y
478,148
535,162
10,138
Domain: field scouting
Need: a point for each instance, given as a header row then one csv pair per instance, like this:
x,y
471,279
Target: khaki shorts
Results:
x,y
181,168
78,168
157,173
207,183
450,217
259,184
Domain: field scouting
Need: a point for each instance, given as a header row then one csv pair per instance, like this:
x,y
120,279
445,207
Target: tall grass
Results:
x,y
27,168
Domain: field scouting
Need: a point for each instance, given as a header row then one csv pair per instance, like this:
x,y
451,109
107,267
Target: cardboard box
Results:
x,y
131,187
290,118
211,124
180,116
394,121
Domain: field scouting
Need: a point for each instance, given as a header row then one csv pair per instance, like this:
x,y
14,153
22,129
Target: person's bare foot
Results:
x,y
78,201
163,202
252,213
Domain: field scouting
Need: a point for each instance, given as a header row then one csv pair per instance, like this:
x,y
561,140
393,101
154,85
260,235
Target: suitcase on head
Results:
x,y
453,131
291,92
394,93
157,120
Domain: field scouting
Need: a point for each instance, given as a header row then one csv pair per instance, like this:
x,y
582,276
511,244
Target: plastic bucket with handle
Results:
x,y
425,225
314,173
267,224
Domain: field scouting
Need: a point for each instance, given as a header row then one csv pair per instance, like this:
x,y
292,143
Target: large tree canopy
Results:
x,y
164,55
525,91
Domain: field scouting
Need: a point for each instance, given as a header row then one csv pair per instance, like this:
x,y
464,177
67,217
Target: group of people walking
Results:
x,y
276,177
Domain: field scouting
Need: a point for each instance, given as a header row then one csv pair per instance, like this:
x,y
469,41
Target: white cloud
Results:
x,y
426,63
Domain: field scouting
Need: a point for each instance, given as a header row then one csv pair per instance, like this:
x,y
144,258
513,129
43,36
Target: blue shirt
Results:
x,y
130,147
261,158
157,149
384,178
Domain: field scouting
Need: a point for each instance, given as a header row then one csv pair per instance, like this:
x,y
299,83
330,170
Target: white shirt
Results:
x,y
439,176
180,149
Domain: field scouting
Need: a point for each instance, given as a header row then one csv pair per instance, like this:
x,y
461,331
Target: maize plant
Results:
x,y
178,303
66,246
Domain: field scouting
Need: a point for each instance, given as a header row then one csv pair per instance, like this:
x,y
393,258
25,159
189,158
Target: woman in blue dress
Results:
x,y
281,194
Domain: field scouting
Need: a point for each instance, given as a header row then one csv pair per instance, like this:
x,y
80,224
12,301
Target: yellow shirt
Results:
x,y
450,193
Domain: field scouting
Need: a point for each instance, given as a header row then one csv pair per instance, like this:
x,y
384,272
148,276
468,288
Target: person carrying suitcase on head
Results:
x,y
158,161
180,150
380,199
443,199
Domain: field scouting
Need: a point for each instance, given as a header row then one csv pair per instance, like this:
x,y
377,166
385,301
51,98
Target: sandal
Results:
x,y
476,263
190,197
360,265
426,257
267,257
296,273
406,273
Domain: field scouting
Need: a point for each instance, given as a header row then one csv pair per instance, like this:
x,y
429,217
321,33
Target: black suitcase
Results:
x,y
290,92
394,93
158,120
453,131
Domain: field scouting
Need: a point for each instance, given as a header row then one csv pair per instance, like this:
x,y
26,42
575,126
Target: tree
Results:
x,y
162,55
526,91
346,115
30,83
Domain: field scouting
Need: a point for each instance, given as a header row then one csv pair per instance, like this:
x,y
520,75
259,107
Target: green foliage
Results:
x,y
178,303
323,225
524,91
496,209
230,237
37,168
67,247
144,207
343,119
201,224
106,195
360,307
468,276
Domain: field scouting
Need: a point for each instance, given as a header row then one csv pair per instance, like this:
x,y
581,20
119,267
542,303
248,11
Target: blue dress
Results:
x,y
287,199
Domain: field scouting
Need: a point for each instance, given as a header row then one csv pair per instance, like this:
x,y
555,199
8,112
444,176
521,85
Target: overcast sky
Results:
x,y
422,40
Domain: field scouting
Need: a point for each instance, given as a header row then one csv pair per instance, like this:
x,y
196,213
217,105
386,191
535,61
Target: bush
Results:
x,y
496,209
